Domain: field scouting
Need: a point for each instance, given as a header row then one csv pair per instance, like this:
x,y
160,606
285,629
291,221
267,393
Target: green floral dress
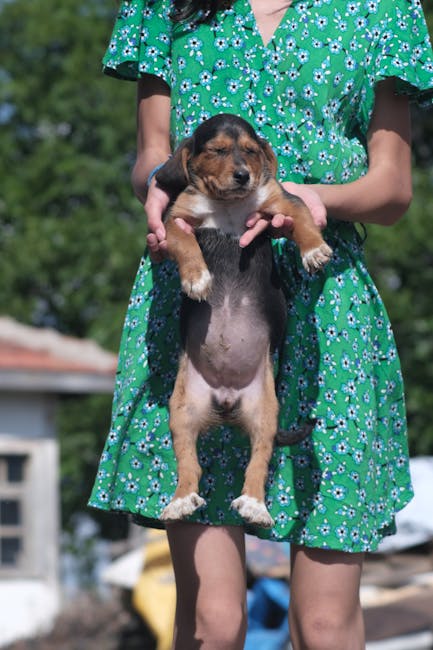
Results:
x,y
310,92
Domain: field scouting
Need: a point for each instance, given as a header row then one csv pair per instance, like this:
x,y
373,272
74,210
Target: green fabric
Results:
x,y
310,92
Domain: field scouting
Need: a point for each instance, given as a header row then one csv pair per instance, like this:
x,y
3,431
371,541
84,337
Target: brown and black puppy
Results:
x,y
233,315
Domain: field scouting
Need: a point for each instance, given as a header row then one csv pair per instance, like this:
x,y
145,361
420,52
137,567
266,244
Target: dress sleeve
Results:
x,y
400,48
141,41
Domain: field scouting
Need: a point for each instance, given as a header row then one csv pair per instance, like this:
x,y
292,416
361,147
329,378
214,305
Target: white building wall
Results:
x,y
29,593
27,415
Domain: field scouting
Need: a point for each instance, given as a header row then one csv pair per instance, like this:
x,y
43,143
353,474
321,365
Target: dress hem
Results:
x,y
386,529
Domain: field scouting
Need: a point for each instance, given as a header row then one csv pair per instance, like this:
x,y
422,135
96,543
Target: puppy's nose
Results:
x,y
241,176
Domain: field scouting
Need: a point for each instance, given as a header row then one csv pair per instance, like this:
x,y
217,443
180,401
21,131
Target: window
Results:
x,y
29,534
12,502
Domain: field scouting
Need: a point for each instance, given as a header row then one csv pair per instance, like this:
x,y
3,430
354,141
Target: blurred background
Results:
x,y
71,235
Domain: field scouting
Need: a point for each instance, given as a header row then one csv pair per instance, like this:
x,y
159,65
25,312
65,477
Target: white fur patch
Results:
x,y
253,511
182,507
316,258
228,216
198,290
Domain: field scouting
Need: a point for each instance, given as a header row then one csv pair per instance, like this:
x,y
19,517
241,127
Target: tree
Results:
x,y
71,230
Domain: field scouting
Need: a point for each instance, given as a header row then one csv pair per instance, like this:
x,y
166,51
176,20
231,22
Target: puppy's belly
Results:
x,y
215,391
232,352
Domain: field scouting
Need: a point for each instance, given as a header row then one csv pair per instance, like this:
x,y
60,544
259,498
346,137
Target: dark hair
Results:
x,y
197,10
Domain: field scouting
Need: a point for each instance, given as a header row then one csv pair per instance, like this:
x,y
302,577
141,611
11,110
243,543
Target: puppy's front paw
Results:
x,y
314,259
253,511
182,507
197,285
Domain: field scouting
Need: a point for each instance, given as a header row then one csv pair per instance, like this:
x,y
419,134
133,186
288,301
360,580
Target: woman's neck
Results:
x,y
268,15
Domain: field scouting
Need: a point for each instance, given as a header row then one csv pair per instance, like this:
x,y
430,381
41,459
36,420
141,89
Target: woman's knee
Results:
x,y
218,623
326,630
224,622
325,612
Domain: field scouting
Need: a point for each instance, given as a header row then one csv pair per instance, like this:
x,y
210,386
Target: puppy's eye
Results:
x,y
220,151
250,151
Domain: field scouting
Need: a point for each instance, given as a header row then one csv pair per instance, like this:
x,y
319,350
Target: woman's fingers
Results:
x,y
280,225
186,227
257,228
311,199
157,249
156,203
253,219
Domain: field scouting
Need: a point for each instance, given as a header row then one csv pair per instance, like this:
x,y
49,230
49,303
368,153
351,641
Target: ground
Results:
x,y
89,623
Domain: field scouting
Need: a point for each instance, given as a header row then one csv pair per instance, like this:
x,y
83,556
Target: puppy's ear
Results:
x,y
173,176
271,158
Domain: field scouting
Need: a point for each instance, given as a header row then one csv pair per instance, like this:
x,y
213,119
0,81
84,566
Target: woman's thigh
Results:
x,y
208,555
209,567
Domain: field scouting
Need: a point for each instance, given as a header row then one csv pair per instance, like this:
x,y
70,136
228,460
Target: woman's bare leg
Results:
x,y
209,567
325,612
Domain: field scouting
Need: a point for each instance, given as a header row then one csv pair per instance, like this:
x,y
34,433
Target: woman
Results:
x,y
328,84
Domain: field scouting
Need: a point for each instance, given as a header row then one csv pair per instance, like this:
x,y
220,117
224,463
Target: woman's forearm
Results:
x,y
382,196
153,131
148,159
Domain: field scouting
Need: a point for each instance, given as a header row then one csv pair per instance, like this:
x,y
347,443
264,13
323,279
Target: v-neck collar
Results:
x,y
274,35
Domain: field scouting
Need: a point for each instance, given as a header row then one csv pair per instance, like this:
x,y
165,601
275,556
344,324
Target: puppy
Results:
x,y
233,312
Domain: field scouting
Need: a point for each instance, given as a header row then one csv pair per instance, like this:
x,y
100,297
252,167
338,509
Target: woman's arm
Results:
x,y
153,130
383,195
153,148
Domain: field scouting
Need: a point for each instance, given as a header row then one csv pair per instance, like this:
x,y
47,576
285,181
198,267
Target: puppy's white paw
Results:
x,y
253,511
316,258
182,507
198,289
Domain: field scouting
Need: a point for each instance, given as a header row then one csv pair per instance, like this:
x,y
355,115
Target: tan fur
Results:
x,y
212,175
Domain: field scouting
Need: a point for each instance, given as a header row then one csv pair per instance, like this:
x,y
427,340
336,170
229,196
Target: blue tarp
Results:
x,y
268,603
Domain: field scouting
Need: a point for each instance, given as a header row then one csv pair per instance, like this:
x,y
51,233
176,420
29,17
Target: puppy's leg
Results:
x,y
185,428
260,419
315,252
183,248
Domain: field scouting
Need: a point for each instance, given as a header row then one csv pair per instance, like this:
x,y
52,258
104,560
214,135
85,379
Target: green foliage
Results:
x,y
71,230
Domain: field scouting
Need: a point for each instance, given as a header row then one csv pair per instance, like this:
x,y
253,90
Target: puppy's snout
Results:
x,y
241,175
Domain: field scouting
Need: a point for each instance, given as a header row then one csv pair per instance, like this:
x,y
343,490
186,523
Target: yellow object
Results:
x,y
154,595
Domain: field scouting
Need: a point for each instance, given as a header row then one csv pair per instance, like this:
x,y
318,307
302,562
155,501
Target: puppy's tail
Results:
x,y
295,434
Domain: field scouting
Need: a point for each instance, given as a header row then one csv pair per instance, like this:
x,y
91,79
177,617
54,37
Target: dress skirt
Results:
x,y
339,488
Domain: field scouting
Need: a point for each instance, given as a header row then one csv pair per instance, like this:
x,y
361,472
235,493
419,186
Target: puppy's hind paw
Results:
x,y
314,259
253,511
197,288
182,507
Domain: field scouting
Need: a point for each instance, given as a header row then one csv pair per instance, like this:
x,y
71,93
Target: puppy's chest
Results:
x,y
227,216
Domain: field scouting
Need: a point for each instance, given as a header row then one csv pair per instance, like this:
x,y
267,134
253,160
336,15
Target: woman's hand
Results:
x,y
155,205
311,199
282,225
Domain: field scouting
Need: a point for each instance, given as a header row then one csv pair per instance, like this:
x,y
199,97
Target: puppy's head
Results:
x,y
224,159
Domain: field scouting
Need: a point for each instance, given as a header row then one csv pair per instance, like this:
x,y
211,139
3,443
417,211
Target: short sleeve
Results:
x,y
404,51
399,47
141,41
